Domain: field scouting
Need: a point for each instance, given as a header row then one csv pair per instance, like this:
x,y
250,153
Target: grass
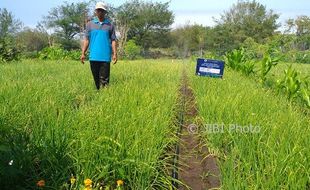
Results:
x,y
274,157
54,124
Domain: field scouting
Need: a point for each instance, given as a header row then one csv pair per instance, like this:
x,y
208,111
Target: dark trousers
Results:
x,y
101,73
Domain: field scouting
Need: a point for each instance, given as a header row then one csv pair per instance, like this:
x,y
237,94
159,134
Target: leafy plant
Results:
x,y
238,60
248,67
235,58
305,96
294,86
291,83
270,60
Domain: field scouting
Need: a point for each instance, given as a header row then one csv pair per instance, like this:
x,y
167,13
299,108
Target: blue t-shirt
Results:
x,y
100,37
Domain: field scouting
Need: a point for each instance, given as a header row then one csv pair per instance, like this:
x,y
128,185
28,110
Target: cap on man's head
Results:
x,y
101,5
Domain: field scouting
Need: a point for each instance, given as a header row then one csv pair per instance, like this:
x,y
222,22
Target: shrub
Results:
x,y
58,53
74,54
53,53
8,50
132,50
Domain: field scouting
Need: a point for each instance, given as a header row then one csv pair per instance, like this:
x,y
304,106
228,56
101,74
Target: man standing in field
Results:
x,y
101,39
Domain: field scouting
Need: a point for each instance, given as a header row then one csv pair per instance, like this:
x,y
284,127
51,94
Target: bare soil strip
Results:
x,y
198,169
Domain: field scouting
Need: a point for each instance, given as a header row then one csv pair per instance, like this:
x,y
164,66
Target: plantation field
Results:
x,y
54,126
260,139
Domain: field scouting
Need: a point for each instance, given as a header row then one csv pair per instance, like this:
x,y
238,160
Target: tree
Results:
x,y
145,22
32,39
189,39
301,27
67,20
124,17
247,19
9,26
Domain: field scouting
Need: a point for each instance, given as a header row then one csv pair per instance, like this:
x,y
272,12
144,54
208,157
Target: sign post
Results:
x,y
210,68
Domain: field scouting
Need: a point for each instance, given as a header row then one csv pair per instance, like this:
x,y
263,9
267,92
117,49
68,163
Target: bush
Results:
x,y
74,54
58,53
53,53
132,50
30,55
253,49
8,50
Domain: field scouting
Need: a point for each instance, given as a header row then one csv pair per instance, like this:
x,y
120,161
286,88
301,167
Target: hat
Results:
x,y
101,5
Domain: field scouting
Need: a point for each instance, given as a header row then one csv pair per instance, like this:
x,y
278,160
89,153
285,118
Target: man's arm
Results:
x,y
84,49
114,50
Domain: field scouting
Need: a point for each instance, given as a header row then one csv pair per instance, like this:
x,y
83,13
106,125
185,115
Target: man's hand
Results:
x,y
84,49
82,58
114,58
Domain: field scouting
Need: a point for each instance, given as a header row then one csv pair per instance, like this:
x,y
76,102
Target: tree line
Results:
x,y
144,30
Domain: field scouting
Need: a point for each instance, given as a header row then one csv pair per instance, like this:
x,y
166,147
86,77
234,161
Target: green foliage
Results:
x,y
254,50
32,39
270,59
29,55
132,50
238,60
245,19
211,55
291,83
67,20
74,54
8,50
189,39
9,26
301,27
305,94
56,52
146,22
248,67
157,53
296,56
294,86
52,53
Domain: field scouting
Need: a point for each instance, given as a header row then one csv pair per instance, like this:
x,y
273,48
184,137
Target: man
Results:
x,y
100,37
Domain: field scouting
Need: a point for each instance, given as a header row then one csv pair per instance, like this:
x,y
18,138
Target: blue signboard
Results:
x,y
210,67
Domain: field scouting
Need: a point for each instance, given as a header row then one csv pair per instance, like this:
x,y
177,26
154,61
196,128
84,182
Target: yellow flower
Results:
x,y
120,182
88,182
72,180
41,183
87,188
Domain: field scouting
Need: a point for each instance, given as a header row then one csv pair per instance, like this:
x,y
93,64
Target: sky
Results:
x,y
203,12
